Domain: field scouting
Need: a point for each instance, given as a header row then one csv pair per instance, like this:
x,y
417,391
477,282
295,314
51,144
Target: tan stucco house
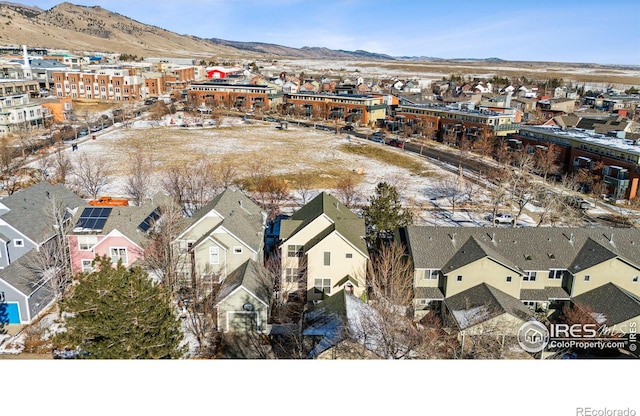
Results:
x,y
323,250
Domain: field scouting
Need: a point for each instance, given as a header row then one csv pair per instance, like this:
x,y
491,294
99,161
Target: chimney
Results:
x,y
26,66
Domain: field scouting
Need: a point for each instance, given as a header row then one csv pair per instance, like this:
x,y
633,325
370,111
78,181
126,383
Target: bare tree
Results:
x,y
91,175
228,173
272,193
452,189
62,165
303,187
347,192
51,263
545,160
138,185
162,257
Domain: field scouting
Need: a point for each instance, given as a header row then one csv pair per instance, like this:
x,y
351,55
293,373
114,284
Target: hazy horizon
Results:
x,y
548,31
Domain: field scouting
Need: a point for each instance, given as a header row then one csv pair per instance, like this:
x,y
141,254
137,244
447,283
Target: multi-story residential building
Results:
x,y
19,86
42,71
220,236
105,84
450,125
323,250
239,96
544,268
615,161
18,113
363,109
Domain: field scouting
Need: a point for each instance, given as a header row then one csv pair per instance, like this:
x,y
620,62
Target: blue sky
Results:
x,y
567,31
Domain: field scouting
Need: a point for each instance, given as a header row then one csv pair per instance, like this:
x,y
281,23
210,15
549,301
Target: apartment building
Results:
x,y
543,268
239,96
450,124
105,84
614,160
17,112
356,108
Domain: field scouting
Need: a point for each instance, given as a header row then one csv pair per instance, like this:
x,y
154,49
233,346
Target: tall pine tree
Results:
x,y
117,313
384,214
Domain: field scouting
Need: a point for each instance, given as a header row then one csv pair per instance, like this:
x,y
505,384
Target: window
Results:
x,y
118,253
587,278
86,242
530,276
431,274
18,243
508,279
556,274
214,255
294,251
87,266
327,258
349,255
237,250
293,274
322,285
459,278
635,279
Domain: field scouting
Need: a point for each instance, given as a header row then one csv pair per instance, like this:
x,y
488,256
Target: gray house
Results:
x,y
28,218
29,223
24,292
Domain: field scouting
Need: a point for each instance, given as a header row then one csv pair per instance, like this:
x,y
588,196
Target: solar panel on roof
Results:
x,y
92,219
150,220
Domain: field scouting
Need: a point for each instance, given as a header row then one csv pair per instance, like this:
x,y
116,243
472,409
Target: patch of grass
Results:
x,y
385,156
316,179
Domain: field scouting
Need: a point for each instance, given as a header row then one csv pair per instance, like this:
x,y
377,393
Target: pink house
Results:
x,y
116,232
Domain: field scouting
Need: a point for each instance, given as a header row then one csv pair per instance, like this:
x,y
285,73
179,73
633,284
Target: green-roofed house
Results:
x,y
323,250
221,236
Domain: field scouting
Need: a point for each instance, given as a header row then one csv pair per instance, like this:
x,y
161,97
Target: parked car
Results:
x,y
83,132
578,202
377,139
325,128
379,133
347,128
396,143
503,218
271,119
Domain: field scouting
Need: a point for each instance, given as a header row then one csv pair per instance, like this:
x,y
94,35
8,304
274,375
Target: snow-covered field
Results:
x,y
283,152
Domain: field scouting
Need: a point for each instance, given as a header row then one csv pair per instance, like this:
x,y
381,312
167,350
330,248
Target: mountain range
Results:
x,y
82,28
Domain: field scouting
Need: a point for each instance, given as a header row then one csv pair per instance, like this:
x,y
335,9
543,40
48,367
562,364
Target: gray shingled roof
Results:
x,y
125,219
251,275
531,248
30,209
471,251
600,301
483,302
591,254
544,295
21,275
428,293
346,222
242,217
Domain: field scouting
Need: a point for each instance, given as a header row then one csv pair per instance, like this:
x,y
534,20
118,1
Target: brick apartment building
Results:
x,y
615,161
450,125
240,96
106,84
362,109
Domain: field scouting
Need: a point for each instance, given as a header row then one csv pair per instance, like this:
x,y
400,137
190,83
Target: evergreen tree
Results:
x,y
384,214
117,313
